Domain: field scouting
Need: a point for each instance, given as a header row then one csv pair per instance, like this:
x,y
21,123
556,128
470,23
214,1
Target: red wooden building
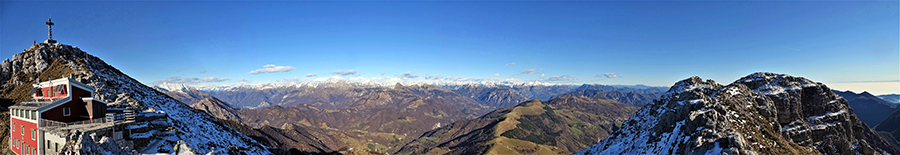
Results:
x,y
57,101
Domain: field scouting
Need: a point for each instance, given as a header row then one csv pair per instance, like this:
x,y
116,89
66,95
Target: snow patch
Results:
x,y
715,150
829,114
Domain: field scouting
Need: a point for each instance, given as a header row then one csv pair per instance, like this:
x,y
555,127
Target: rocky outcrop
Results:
x,y
560,126
763,113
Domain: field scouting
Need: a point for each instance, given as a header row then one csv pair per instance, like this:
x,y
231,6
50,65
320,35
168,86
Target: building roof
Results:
x,y
40,104
71,81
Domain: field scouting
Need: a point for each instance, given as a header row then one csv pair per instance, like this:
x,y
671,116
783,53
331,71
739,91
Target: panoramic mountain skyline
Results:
x,y
846,45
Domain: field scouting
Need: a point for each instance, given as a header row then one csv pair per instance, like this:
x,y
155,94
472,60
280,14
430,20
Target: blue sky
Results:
x,y
847,45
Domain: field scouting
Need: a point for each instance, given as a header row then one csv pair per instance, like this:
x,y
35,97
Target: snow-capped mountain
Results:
x,y
173,87
763,113
365,82
195,129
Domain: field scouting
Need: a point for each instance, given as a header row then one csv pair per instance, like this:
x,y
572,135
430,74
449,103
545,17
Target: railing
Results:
x,y
52,123
38,102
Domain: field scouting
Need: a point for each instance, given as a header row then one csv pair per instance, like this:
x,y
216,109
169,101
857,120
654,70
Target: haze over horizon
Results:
x,y
846,45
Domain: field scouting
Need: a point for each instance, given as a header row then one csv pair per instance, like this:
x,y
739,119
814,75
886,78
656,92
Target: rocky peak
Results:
x,y
174,87
693,84
762,113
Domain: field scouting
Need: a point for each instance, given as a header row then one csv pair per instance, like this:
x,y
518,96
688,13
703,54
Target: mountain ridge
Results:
x,y
762,113
559,126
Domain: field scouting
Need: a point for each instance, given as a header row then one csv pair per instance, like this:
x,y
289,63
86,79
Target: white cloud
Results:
x,y
495,74
433,76
542,75
291,80
383,73
201,72
311,75
344,72
511,64
270,68
191,80
562,78
611,75
408,75
528,71
243,81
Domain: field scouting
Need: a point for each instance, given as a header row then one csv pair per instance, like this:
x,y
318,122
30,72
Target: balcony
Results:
x,y
52,123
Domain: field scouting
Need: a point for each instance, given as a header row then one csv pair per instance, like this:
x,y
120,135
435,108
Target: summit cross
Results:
x,y
49,29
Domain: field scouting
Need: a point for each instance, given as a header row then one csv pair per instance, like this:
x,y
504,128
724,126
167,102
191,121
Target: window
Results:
x,y
33,114
32,134
57,146
67,111
22,127
13,127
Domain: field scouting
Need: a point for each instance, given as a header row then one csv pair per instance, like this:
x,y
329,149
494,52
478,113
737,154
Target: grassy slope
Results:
x,y
560,126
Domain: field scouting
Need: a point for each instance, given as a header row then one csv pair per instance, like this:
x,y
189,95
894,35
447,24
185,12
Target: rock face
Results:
x,y
560,126
763,113
495,97
195,129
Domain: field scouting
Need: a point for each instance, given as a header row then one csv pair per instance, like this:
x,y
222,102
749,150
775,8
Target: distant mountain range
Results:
x,y
868,108
403,112
893,98
494,95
